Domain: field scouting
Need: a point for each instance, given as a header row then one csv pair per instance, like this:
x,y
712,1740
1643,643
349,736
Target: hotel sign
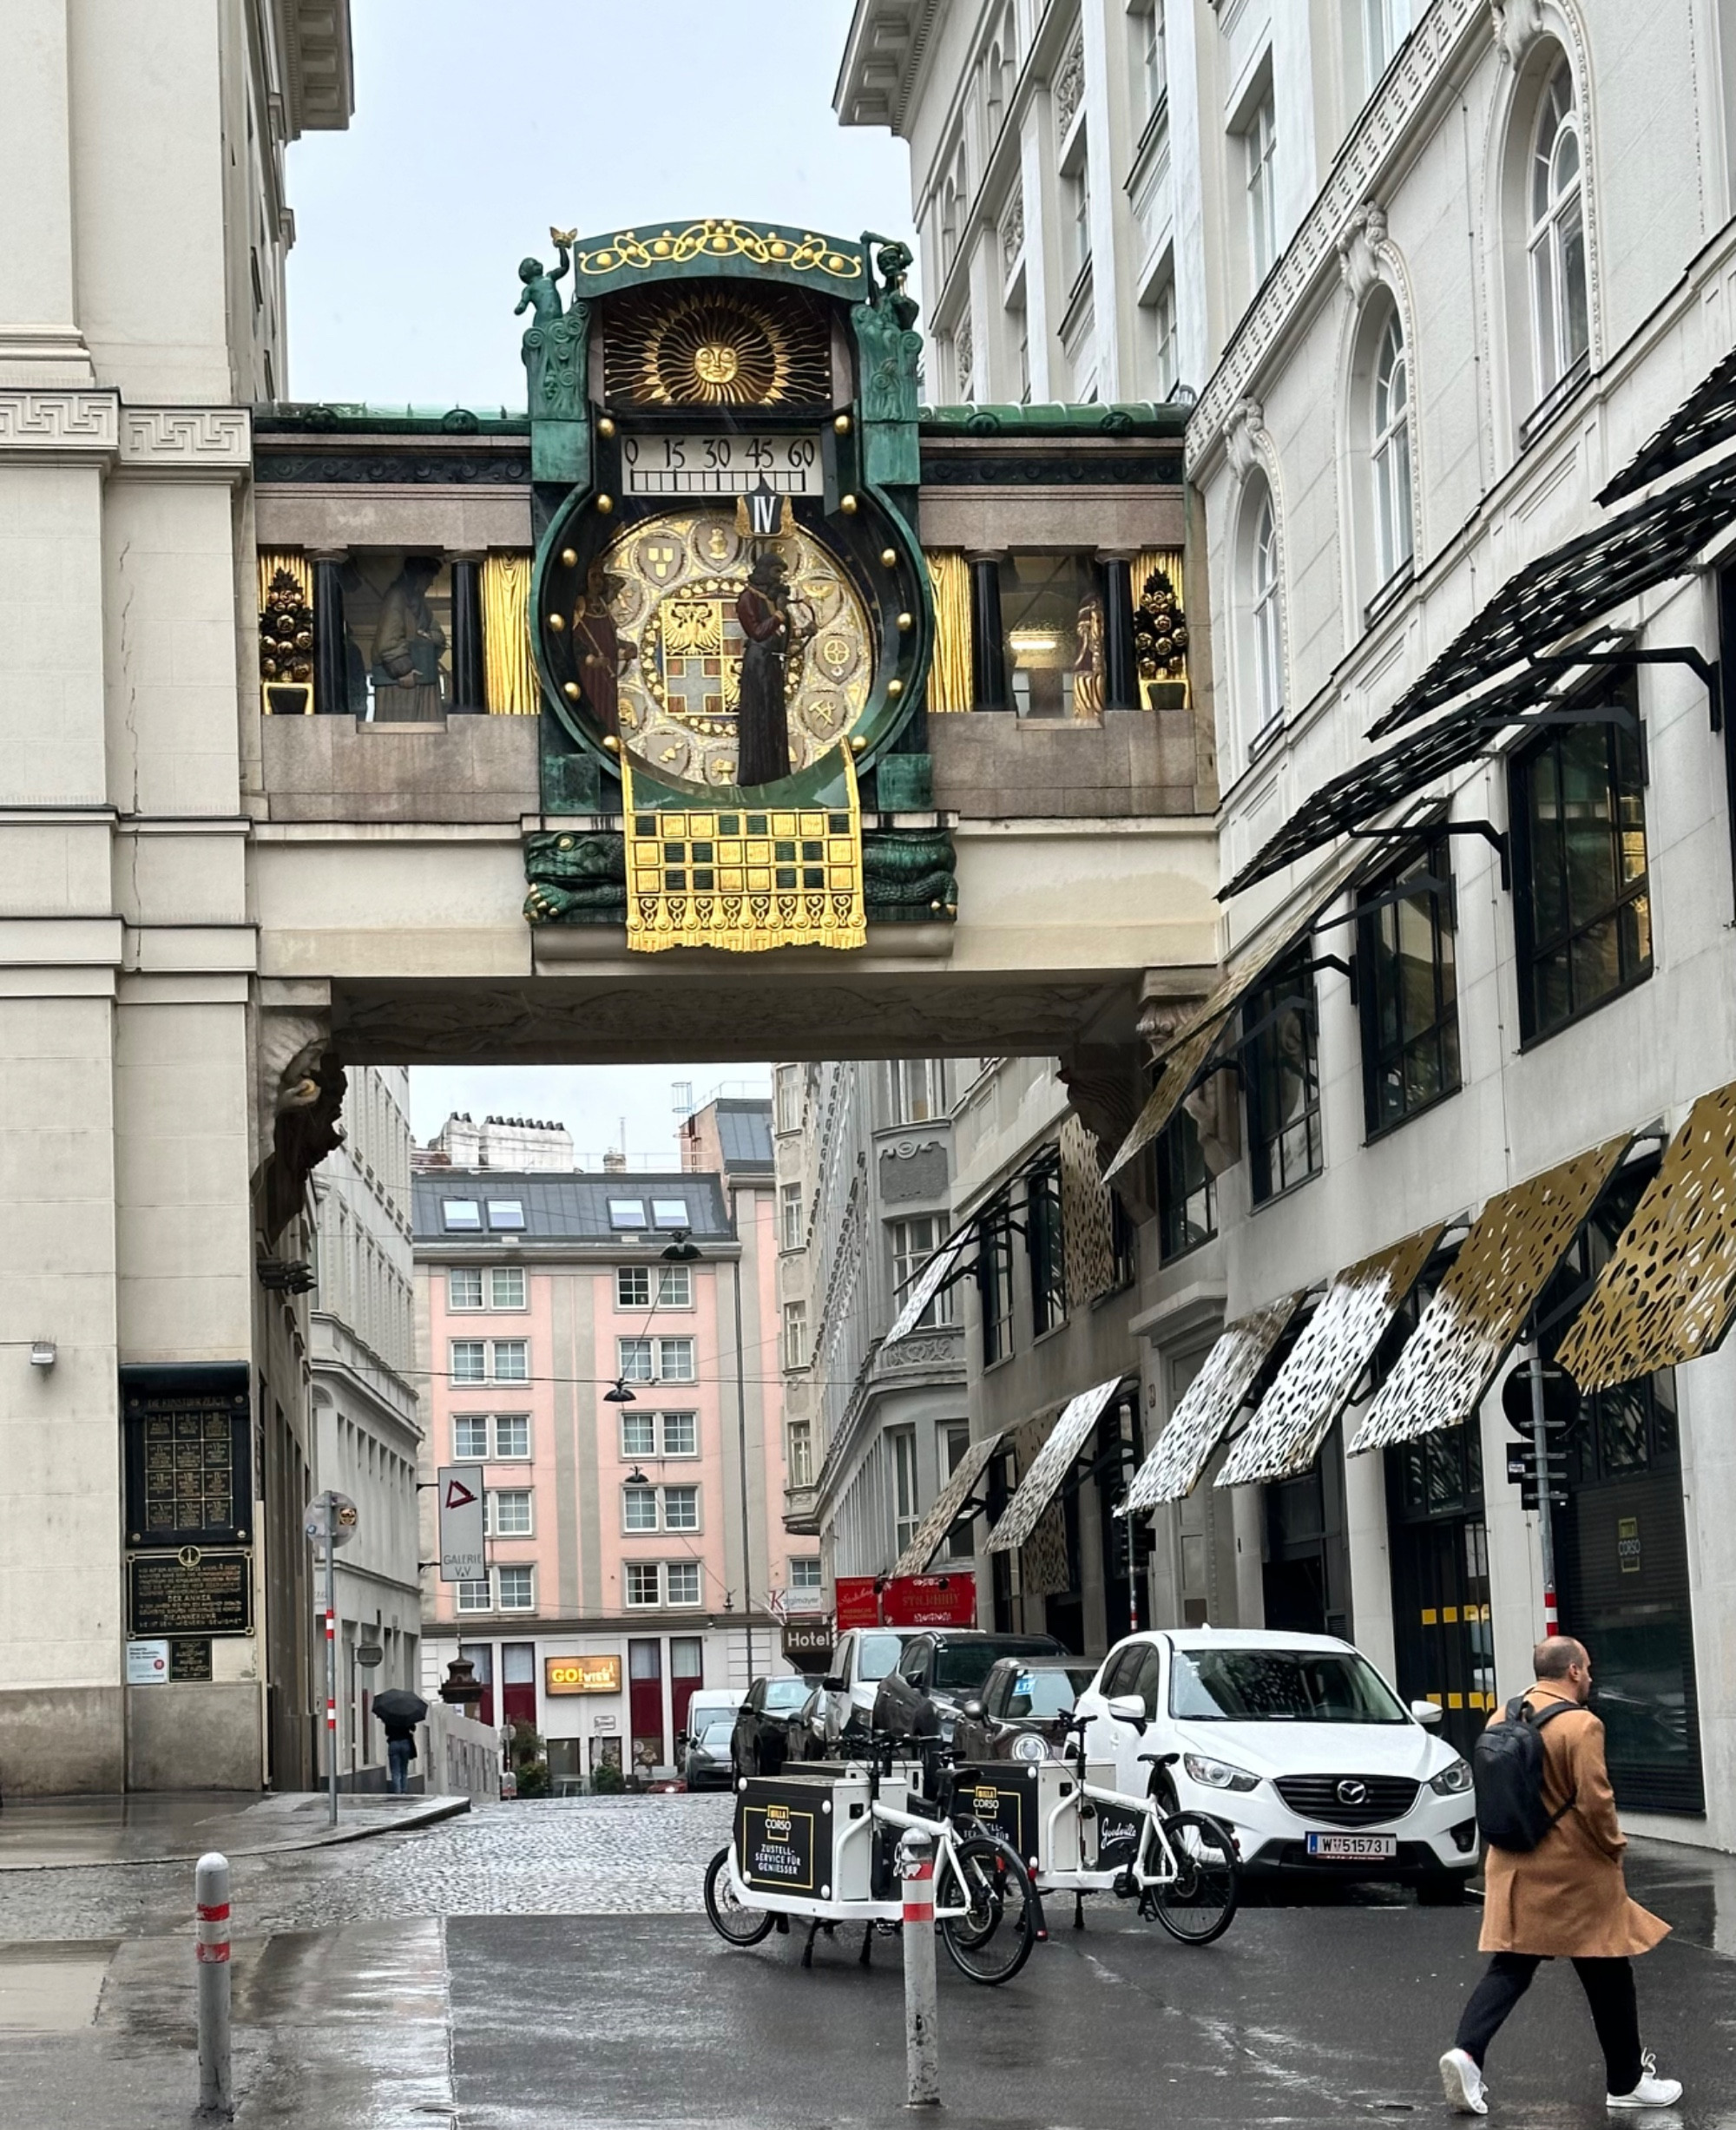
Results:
x,y
582,1674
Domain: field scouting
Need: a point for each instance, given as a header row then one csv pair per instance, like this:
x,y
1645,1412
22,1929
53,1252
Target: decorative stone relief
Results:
x,y
1516,25
964,356
186,439
910,1171
58,421
1242,439
1359,250
1013,233
1070,89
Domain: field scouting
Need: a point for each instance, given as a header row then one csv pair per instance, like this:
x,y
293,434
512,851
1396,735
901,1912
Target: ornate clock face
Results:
x,y
671,585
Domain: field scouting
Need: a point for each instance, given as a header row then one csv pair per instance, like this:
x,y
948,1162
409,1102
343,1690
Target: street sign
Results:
x,y
462,1558
1561,1398
369,1656
344,1520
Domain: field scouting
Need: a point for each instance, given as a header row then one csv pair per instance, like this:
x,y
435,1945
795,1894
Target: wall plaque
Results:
x,y
188,1454
189,1657
190,1593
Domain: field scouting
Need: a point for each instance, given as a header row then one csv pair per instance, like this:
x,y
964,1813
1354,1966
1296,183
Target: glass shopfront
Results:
x,y
1444,1637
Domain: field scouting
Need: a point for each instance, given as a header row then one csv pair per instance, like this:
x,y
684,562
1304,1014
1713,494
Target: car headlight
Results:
x,y
1452,1782
947,1725
1217,1774
1028,1747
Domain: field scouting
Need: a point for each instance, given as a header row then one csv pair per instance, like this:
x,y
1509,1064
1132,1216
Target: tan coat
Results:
x,y
1568,1898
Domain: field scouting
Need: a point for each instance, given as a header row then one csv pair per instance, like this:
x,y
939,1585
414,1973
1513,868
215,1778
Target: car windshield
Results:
x,y
786,1693
715,1736
960,1666
879,1655
1046,1693
1278,1686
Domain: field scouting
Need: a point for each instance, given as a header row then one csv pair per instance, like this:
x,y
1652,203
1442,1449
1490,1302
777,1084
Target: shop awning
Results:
x,y
1705,420
1479,1309
1668,1292
944,1511
1051,1465
1337,1342
938,1270
1210,1402
1573,586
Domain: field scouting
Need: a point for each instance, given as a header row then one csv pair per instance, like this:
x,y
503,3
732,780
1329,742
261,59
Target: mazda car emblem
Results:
x,y
1350,1791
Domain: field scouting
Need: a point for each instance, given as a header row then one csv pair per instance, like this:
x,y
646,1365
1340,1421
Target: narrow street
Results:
x,y
547,1963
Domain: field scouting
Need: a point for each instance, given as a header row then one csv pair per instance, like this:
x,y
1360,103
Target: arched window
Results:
x,y
1556,241
997,93
1266,616
948,226
1389,453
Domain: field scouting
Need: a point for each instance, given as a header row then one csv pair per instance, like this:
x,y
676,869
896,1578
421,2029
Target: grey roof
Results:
x,y
744,1131
559,1206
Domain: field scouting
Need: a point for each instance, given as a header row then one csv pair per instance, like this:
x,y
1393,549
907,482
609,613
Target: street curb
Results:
x,y
431,1815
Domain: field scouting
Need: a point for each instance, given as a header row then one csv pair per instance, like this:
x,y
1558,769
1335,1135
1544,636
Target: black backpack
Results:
x,y
1507,1766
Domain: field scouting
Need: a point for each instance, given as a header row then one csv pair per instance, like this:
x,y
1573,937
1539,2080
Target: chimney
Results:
x,y
615,1164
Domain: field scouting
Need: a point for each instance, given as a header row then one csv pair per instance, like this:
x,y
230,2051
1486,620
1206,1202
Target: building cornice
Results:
x,y
883,56
69,425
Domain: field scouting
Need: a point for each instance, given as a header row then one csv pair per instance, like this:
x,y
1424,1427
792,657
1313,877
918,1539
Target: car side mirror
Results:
x,y
1128,1708
973,1709
1427,1712
835,1685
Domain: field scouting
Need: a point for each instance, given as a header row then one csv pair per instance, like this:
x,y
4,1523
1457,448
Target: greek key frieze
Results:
x,y
44,419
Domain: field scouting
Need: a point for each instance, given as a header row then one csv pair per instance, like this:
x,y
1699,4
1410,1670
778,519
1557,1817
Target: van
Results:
x,y
708,1705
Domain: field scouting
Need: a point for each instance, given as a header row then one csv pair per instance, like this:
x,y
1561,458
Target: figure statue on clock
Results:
x,y
775,627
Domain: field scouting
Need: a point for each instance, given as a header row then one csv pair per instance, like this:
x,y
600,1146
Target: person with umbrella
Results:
x,y
399,1712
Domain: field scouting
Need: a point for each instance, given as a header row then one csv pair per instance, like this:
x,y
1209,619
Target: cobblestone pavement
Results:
x,y
576,1857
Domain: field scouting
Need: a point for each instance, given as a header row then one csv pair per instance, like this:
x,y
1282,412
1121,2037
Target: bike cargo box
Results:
x,y
1019,1799
807,1835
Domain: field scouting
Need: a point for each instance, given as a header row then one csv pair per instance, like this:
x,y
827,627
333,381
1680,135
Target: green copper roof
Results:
x,y
1146,417
303,417
720,245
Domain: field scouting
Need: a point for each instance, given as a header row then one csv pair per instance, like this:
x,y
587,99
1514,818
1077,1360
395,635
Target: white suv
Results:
x,y
1298,1744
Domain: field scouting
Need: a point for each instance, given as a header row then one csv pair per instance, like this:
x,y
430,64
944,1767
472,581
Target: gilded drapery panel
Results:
x,y
949,679
509,670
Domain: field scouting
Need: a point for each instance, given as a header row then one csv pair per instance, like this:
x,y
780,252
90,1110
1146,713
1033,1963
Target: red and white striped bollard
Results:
x,y
211,1955
922,2035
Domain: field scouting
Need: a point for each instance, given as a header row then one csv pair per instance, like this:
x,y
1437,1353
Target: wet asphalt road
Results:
x,y
545,1964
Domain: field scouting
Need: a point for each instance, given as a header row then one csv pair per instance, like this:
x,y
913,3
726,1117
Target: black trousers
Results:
x,y
1609,1987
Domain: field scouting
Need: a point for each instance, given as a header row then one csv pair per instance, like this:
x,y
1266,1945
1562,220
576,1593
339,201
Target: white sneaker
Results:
x,y
1651,2092
1462,2082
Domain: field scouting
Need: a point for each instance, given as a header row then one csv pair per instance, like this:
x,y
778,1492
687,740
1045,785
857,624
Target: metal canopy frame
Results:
x,y
1051,1465
1704,420
956,1500
1573,586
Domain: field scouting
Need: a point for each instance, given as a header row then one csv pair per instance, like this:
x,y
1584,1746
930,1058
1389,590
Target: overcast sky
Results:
x,y
476,129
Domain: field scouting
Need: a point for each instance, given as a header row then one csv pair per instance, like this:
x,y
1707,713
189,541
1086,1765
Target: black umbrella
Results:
x,y
399,1704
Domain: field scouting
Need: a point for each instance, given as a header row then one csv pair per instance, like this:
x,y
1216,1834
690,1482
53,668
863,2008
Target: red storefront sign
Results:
x,y
906,1601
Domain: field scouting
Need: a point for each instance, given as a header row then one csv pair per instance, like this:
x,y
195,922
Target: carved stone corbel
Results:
x,y
1515,26
1241,437
300,1087
1359,250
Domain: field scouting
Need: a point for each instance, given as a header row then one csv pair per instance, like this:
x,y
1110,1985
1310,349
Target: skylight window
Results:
x,y
670,1212
626,1213
505,1214
462,1214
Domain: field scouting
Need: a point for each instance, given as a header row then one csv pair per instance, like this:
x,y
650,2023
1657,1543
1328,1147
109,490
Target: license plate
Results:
x,y
1353,1848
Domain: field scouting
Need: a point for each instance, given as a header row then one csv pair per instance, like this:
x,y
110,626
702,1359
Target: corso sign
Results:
x,y
775,1842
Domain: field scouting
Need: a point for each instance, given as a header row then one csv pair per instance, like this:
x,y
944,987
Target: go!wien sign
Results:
x,y
906,1601
582,1674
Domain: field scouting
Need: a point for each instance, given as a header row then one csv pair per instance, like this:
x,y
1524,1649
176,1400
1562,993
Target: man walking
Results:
x,y
1566,1898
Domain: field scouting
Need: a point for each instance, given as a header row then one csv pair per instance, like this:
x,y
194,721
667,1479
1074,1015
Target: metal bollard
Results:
x,y
211,1952
922,2032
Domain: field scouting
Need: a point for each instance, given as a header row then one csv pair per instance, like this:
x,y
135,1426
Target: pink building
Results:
x,y
626,1412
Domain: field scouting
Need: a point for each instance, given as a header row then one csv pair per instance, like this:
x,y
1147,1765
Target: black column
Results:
x,y
331,666
1120,670
987,644
468,684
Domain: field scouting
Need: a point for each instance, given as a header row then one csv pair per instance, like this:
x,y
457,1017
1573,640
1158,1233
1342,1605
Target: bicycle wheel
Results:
x,y
735,1923
1198,1905
992,1939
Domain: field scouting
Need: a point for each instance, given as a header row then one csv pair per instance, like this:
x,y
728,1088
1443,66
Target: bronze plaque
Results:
x,y
200,1594
189,1657
188,1454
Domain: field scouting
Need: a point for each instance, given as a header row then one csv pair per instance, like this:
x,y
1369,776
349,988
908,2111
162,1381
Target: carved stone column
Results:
x,y
469,687
987,640
1120,672
331,663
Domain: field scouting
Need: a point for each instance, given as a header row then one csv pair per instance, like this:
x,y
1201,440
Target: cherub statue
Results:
x,y
540,296
554,341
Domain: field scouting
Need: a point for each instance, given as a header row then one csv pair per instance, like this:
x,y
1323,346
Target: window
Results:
x,y
1158,313
1043,598
670,1212
1386,23
795,1334
509,1511
633,1287
465,1289
681,1509
994,93
788,1088
995,1282
511,1360
918,1090
471,1438
633,1359
460,1215
1268,618
804,1575
799,1453
644,1583
474,1597
1020,318
1186,1195
1582,913
914,1242
682,1581
1409,990
789,1208
1044,1250
638,1508
1280,1072
906,1514
469,1360
626,1213
1560,313
961,1541
674,1286
506,1286
638,1434
675,1361
1076,190
680,1433
513,1593
1389,455
506,1215
948,226
1147,25
511,1435
1259,142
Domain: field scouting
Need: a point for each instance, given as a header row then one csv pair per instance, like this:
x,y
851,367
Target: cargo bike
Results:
x,y
820,1844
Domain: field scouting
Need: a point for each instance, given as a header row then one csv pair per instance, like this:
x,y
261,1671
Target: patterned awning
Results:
x,y
942,1514
928,1282
1478,1310
1706,418
1210,1402
1051,1466
1337,1342
1668,1291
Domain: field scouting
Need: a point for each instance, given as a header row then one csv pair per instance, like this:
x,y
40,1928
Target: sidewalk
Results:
x,y
178,1826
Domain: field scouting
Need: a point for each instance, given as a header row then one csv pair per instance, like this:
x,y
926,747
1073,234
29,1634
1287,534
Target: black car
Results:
x,y
938,1671
706,1761
761,1742
1022,1713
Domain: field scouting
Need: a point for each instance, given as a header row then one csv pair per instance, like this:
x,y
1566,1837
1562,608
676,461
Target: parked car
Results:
x,y
840,1709
707,1765
759,1743
1022,1713
940,1669
1298,1744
